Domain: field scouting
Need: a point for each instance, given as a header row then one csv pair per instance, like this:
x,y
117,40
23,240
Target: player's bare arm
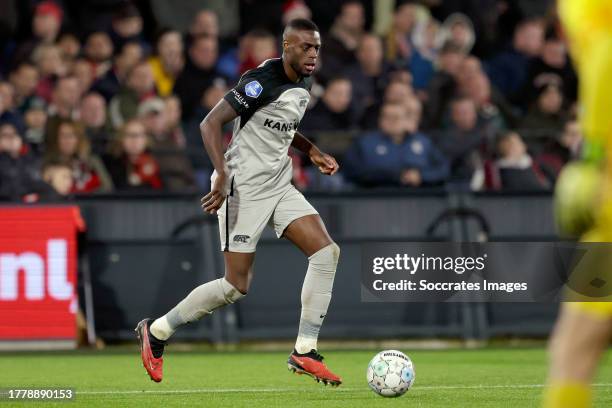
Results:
x,y
211,129
325,162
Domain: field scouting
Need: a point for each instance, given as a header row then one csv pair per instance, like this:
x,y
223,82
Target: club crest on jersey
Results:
x,y
253,89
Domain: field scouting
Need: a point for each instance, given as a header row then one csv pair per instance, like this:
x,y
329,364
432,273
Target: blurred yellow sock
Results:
x,y
567,395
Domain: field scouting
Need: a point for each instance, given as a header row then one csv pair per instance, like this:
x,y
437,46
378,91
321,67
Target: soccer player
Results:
x,y
583,330
251,187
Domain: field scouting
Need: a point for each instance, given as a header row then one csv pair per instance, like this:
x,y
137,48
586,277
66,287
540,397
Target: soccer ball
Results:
x,y
390,373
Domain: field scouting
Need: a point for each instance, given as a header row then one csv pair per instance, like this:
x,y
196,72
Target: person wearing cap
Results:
x,y
46,23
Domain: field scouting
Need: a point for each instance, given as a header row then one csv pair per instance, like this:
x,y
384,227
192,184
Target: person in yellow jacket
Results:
x,y
168,61
583,204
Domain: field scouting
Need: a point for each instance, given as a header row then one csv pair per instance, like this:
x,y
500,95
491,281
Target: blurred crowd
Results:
x,y
106,96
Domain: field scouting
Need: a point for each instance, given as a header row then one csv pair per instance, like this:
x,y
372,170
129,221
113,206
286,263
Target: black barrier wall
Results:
x,y
147,253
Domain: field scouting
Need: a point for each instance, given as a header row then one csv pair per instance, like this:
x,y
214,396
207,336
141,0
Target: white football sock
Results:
x,y
316,295
202,300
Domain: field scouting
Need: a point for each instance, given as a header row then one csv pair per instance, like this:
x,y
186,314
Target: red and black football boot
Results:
x,y
149,347
311,364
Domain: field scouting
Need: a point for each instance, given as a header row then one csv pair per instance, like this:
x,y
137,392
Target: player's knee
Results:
x,y
326,257
233,291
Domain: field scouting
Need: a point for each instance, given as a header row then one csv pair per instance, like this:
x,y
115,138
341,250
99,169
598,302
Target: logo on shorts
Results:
x,y
253,89
243,239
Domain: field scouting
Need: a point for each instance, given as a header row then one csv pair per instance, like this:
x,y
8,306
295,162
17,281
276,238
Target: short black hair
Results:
x,y
302,24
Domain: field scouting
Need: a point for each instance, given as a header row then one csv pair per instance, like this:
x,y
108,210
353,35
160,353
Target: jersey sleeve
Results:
x,y
247,96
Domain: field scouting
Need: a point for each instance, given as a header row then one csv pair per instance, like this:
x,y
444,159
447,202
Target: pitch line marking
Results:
x,y
268,390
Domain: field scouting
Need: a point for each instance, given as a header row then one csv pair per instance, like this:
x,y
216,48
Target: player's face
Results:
x,y
302,50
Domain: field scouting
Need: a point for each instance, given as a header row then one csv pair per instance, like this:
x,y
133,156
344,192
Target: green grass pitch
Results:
x,y
448,378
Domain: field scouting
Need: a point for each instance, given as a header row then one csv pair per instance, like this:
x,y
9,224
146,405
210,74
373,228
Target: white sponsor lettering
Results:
x,y
33,267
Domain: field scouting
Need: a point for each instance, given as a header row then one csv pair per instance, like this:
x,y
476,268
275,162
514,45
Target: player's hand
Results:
x,y
212,201
326,163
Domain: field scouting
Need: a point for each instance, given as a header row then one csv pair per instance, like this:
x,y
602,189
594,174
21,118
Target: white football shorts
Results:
x,y
242,221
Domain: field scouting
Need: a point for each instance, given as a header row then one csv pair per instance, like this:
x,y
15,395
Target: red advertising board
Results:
x,y
38,264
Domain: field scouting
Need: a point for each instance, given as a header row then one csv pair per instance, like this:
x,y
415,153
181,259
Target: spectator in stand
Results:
x,y
50,66
110,85
95,120
398,47
462,144
572,139
24,79
131,165
492,105
204,24
199,73
443,85
71,145
397,154
552,65
342,40
46,24
256,47
126,26
369,75
459,30
294,9
172,112
396,92
201,162
19,174
424,51
517,169
566,147
58,176
174,167
84,73
69,45
64,104
99,53
139,86
35,119
508,69
333,111
168,62
545,118
8,113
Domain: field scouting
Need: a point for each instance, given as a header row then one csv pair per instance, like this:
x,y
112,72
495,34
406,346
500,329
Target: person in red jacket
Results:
x,y
131,165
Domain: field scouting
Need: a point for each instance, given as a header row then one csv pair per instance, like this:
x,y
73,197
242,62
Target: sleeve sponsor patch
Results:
x,y
253,89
